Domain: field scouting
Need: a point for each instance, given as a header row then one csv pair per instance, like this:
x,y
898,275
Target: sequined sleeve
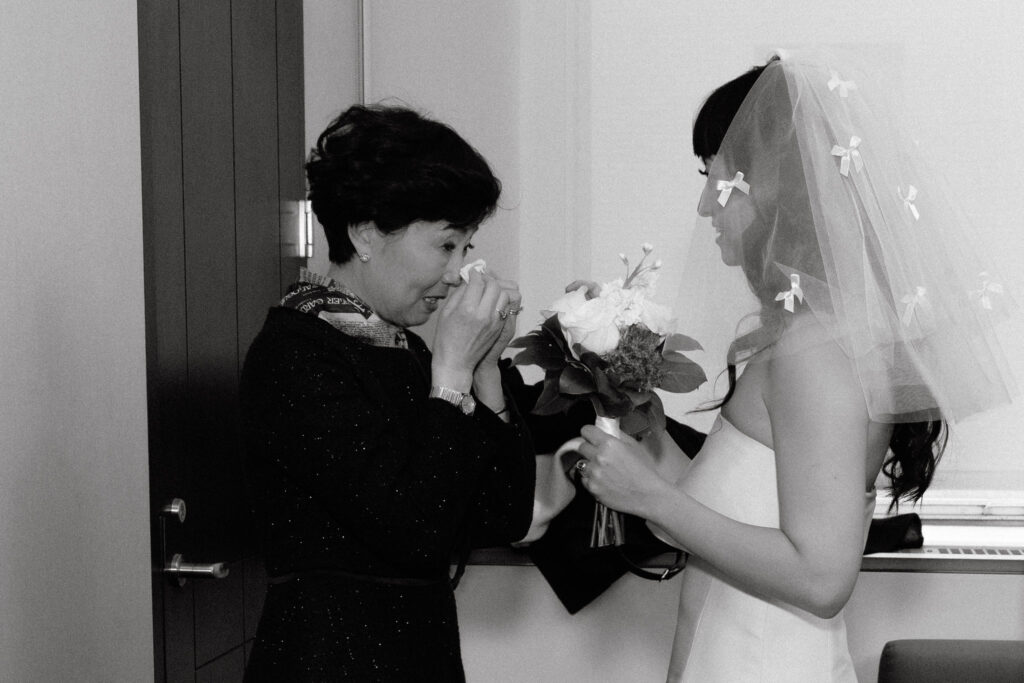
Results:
x,y
507,482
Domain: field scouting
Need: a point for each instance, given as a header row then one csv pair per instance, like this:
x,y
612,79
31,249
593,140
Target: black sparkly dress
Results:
x,y
366,490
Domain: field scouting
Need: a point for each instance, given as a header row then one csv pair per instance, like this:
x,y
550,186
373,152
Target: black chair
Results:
x,y
952,661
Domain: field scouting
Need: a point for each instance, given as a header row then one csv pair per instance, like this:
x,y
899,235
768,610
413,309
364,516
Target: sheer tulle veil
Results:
x,y
834,210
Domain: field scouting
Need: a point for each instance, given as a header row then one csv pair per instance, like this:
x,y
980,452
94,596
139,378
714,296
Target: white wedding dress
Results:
x,y
725,633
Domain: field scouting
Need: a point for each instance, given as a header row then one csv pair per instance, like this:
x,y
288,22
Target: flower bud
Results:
x,y
647,247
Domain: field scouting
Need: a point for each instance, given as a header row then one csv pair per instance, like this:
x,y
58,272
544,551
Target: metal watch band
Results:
x,y
464,402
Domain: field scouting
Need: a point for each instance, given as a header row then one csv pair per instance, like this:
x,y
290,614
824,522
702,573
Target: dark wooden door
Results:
x,y
222,146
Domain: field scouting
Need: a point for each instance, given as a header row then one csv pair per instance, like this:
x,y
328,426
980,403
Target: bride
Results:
x,y
872,331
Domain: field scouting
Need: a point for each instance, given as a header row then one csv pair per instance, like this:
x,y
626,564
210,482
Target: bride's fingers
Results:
x,y
593,289
594,436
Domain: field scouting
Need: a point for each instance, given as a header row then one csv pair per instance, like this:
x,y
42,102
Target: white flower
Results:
x,y
591,324
657,318
647,248
645,280
568,302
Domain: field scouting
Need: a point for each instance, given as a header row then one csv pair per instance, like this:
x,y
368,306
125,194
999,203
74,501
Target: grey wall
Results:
x,y
74,540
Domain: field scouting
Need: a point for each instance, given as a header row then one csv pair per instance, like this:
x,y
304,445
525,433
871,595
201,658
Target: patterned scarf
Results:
x,y
334,303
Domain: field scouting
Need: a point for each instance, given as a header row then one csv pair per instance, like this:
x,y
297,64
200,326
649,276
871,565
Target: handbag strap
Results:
x,y
667,573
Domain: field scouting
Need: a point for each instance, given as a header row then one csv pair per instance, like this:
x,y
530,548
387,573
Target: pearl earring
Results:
x,y
364,257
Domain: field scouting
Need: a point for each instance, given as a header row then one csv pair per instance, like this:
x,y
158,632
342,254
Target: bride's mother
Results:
x,y
374,462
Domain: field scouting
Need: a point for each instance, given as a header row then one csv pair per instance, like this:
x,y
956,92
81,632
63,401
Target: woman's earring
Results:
x,y
364,257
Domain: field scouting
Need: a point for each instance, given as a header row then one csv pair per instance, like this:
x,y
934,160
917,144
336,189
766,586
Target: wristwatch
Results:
x,y
464,402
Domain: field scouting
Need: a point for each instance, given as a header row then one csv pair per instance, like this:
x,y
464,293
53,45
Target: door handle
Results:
x,y
182,571
176,508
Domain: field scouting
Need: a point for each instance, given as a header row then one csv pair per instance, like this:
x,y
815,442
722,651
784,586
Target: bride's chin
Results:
x,y
729,258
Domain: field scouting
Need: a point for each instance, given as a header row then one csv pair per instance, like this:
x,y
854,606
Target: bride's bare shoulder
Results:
x,y
808,356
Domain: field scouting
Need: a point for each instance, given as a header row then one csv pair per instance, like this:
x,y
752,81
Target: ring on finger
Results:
x,y
502,313
581,467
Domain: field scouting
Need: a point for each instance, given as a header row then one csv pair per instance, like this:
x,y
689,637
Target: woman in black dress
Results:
x,y
375,463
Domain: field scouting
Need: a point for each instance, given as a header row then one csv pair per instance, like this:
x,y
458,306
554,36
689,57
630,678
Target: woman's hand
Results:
x,y
468,327
508,330
619,472
593,288
486,375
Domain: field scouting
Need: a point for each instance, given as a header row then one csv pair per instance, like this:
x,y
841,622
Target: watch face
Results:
x,y
468,405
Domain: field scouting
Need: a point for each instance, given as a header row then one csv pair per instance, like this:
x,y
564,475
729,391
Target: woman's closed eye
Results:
x,y
451,246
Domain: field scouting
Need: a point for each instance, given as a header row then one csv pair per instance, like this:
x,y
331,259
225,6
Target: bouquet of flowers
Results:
x,y
612,347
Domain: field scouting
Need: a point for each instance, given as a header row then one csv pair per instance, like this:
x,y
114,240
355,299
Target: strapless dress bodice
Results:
x,y
725,633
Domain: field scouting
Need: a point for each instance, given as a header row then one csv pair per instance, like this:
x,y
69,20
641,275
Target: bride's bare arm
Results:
x,y
819,426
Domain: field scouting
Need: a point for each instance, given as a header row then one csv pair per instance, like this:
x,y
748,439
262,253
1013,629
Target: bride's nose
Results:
x,y
707,201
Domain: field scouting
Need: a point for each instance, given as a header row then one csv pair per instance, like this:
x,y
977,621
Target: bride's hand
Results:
x,y
593,289
619,472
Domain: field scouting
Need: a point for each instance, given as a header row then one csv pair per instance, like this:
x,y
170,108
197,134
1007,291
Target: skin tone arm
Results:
x,y
471,337
820,426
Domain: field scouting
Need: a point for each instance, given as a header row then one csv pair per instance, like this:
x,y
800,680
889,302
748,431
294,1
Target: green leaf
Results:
x,y
638,398
559,404
656,413
548,401
680,342
593,361
614,403
552,329
634,422
576,380
681,375
542,353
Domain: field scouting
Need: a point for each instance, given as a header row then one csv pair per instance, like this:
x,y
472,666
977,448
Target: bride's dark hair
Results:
x,y
914,447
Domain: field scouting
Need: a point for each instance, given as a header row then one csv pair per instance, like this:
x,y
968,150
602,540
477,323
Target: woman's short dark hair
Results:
x,y
391,166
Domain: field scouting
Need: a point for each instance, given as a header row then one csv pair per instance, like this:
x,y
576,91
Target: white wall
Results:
x,y
74,542
332,62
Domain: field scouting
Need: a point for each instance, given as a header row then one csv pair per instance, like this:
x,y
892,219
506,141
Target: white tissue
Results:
x,y
479,265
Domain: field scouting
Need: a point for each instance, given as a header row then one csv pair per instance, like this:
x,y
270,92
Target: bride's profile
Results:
x,y
872,331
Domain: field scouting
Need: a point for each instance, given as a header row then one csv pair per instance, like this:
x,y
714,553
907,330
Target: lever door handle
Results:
x,y
176,508
177,569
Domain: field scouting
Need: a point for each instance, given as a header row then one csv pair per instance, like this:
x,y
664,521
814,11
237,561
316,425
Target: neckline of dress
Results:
x,y
725,421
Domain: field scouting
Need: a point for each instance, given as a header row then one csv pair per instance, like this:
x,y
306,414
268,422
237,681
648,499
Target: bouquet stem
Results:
x,y
609,526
